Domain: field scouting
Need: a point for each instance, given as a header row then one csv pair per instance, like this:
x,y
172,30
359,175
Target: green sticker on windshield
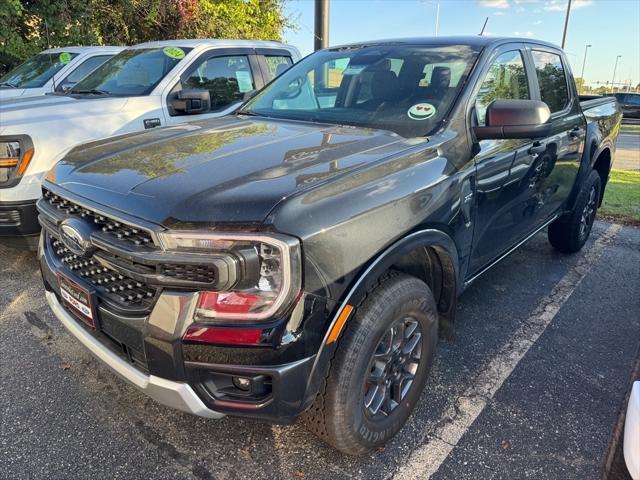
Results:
x,y
174,52
64,57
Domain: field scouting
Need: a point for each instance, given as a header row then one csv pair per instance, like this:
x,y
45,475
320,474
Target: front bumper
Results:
x,y
19,227
177,395
147,350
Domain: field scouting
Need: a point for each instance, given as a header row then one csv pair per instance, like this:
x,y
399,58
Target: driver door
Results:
x,y
227,74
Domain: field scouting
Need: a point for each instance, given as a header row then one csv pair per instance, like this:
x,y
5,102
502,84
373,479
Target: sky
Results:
x,y
612,27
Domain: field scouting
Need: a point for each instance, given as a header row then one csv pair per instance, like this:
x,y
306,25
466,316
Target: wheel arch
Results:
x,y
430,255
406,255
602,163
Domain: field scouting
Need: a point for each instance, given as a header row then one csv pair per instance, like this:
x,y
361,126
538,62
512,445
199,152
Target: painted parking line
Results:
x,y
463,411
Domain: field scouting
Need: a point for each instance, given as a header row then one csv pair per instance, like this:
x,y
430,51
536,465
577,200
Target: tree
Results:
x,y
582,86
30,26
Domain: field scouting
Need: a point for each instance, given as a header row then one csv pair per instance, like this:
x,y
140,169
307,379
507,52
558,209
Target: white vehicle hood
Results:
x,y
6,93
51,109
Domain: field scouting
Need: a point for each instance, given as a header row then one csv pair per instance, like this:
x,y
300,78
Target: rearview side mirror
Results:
x,y
508,119
191,102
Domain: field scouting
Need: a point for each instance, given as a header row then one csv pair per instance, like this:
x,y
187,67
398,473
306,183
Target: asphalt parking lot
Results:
x,y
531,387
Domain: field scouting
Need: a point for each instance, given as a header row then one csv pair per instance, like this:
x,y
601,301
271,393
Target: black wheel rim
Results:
x,y
392,368
588,213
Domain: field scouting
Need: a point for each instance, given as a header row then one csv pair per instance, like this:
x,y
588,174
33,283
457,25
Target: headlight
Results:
x,y
15,155
266,273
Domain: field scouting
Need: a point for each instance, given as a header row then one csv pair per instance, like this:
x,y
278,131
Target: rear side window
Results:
x,y
84,69
226,78
506,79
276,64
552,80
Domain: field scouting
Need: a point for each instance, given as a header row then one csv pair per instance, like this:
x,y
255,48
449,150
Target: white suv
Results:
x,y
144,86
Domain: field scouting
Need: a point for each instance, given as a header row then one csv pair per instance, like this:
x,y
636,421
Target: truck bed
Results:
x,y
590,101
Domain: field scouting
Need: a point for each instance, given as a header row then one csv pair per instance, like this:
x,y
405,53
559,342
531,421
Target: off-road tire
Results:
x,y
566,234
338,415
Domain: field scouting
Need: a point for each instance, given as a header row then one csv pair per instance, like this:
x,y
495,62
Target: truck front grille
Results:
x,y
111,284
113,228
193,273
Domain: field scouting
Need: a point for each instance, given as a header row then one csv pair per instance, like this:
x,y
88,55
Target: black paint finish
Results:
x,y
357,199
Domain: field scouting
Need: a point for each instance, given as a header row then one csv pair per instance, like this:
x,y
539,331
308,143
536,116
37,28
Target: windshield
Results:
x,y
132,72
36,71
405,89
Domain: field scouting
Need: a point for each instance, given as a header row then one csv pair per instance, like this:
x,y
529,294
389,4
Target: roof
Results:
x,y
472,40
83,49
216,42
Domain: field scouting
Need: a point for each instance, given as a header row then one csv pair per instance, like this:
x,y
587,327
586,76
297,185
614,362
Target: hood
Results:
x,y
51,108
7,92
233,169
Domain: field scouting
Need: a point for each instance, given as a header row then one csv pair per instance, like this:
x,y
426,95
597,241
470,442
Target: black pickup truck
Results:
x,y
303,256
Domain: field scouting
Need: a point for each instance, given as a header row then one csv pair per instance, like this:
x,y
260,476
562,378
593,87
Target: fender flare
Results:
x,y
423,238
586,165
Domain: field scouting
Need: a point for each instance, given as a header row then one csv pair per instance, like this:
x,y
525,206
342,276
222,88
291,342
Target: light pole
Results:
x,y
566,22
584,62
321,35
437,5
615,67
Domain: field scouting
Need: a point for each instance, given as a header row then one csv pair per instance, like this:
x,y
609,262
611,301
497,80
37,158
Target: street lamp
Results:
x,y
566,23
615,67
437,5
584,62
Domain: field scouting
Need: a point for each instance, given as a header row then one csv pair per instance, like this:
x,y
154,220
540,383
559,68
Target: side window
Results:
x,y
552,80
226,78
632,99
506,79
276,64
84,69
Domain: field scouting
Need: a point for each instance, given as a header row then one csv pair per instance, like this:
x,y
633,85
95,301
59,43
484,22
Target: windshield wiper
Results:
x,y
8,84
249,113
92,91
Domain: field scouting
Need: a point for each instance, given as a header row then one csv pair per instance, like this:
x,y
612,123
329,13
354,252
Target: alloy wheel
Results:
x,y
392,368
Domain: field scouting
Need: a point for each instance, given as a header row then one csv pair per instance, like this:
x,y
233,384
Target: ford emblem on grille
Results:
x,y
75,234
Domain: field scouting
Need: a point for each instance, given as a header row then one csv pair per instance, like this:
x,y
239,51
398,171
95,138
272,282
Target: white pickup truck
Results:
x,y
55,69
144,86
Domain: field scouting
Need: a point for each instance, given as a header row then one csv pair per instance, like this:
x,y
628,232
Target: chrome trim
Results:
x,y
167,392
509,252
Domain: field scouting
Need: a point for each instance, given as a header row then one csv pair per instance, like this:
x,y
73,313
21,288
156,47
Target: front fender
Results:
x,y
452,286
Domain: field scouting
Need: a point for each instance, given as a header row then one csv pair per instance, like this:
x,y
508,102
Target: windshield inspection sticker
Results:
x,y
421,111
64,57
174,52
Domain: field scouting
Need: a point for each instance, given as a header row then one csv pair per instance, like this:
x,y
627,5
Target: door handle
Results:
x,y
537,148
575,133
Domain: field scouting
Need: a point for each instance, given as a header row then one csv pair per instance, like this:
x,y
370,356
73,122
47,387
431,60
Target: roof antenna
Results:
x,y
46,31
484,26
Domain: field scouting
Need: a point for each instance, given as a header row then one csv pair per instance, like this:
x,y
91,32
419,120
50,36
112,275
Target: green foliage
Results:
x,y
622,197
29,26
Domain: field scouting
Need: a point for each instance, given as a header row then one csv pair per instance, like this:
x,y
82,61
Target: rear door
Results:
x,y
555,170
273,62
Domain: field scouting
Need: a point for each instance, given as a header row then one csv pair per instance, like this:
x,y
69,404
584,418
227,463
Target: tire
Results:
x,y
569,233
393,312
